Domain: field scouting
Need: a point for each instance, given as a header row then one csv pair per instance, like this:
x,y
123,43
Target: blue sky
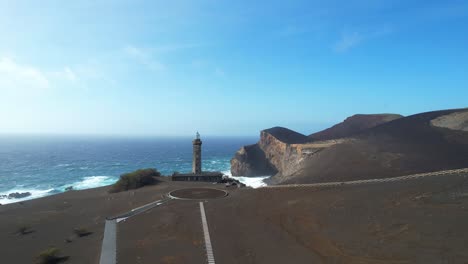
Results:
x,y
225,67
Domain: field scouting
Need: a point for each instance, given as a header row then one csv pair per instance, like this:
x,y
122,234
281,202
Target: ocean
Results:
x,y
46,165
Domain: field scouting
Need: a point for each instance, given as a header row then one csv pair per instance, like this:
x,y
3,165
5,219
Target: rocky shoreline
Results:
x,y
16,195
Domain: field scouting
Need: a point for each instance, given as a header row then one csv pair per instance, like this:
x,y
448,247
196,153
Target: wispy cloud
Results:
x,y
351,39
347,41
220,72
144,57
65,74
198,64
21,76
14,75
176,47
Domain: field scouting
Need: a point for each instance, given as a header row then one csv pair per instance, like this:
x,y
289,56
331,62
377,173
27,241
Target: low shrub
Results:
x,y
82,232
135,180
24,229
50,256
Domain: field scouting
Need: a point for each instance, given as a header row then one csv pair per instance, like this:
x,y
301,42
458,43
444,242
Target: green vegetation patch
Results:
x,y
50,256
135,180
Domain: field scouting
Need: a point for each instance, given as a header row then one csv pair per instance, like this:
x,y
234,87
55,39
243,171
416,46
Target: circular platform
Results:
x,y
197,194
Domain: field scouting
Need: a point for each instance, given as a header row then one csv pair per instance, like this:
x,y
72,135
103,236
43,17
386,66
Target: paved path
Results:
x,y
109,243
358,182
138,210
206,233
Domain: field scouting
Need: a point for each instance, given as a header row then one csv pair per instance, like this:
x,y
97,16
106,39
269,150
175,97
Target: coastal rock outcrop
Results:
x,y
361,147
17,195
281,150
266,157
251,161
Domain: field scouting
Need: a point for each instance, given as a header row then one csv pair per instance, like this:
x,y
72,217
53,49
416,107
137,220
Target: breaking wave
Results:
x,y
85,183
35,193
93,182
254,182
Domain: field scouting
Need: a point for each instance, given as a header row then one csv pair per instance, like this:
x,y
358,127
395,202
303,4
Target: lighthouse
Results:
x,y
196,174
196,162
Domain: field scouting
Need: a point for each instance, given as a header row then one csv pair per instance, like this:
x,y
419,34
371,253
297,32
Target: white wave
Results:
x,y
35,193
93,182
85,183
253,182
63,165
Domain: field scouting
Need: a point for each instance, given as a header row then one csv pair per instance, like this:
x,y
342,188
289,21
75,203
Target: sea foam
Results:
x,y
35,193
93,182
85,183
254,182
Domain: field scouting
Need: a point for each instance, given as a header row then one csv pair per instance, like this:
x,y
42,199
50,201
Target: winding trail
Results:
x,y
370,181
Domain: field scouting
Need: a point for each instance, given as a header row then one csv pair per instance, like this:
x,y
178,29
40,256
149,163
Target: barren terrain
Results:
x,y
416,221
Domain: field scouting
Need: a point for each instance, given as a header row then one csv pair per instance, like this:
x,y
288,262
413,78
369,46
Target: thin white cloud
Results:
x,y
175,47
136,53
65,74
14,75
70,75
144,57
220,72
352,39
198,64
347,41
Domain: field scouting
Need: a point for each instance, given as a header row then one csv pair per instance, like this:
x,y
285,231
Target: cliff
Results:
x,y
265,157
361,147
282,150
251,161
278,150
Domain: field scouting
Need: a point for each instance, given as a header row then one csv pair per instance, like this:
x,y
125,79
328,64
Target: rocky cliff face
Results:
x,y
251,161
362,147
278,150
283,151
288,157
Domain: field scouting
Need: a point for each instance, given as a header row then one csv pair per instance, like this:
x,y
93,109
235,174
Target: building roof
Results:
x,y
204,173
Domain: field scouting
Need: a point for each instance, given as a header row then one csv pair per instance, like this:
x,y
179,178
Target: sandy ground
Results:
x,y
53,219
420,221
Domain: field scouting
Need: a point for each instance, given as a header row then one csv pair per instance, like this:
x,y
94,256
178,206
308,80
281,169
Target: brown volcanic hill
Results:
x,y
412,144
353,125
455,121
286,135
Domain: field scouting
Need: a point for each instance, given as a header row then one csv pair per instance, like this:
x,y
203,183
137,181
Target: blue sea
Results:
x,y
45,165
